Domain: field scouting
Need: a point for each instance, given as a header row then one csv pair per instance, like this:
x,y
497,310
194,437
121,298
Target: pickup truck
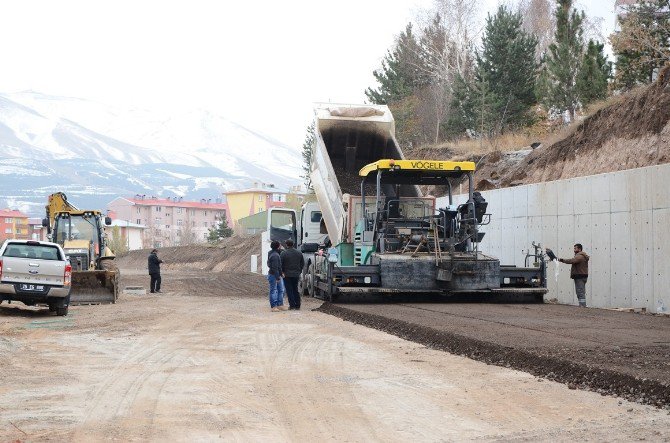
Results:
x,y
35,272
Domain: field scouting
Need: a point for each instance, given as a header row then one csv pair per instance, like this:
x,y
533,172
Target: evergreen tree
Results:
x,y
503,89
594,74
307,149
506,64
642,46
400,74
219,232
565,58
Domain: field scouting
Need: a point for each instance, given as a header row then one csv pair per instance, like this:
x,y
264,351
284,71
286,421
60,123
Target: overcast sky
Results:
x,y
261,63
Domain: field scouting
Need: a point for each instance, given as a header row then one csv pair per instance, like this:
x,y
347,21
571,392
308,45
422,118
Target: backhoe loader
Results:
x,y
81,233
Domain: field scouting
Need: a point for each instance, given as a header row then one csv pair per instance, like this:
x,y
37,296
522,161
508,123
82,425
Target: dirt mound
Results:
x,y
633,132
232,255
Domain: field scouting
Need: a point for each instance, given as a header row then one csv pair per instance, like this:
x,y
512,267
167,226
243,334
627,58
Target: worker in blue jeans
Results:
x,y
275,278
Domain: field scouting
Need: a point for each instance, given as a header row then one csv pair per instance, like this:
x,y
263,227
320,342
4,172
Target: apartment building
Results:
x,y
170,221
256,199
13,224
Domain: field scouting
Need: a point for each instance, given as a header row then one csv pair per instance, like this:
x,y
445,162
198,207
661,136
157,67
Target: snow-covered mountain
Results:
x,y
94,153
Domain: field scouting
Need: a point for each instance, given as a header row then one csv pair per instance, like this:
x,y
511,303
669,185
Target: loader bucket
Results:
x,y
94,287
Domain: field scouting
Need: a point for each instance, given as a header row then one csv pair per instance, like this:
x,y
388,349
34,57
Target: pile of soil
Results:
x,y
232,255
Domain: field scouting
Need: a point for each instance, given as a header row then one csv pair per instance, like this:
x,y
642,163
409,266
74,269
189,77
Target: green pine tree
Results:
x,y
219,232
399,75
565,58
503,89
594,74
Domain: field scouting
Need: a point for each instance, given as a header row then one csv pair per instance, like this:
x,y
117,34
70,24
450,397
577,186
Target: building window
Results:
x,y
167,214
205,214
8,220
158,209
178,210
139,210
167,226
158,221
260,198
278,197
8,230
259,210
193,224
180,222
205,235
158,232
192,211
204,224
139,221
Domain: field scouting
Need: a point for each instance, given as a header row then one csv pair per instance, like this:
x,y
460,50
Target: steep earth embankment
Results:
x,y
633,132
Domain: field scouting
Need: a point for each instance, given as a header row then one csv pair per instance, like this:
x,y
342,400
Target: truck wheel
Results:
x,y
52,307
61,308
310,280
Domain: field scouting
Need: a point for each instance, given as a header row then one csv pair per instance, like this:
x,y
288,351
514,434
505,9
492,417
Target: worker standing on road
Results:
x,y
155,271
292,262
275,278
579,272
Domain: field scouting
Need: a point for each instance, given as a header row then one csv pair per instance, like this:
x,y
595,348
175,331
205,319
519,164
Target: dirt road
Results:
x,y
207,360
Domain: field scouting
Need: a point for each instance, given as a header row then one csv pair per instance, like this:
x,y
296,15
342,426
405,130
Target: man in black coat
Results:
x,y
292,262
155,271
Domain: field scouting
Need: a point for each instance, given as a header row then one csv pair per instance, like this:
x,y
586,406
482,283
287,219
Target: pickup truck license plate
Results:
x,y
27,287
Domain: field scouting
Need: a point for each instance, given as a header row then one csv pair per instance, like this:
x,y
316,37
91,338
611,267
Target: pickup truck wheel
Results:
x,y
52,307
61,312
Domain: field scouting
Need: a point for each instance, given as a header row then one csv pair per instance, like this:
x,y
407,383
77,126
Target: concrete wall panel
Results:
x,y
582,195
660,183
507,241
565,227
549,197
493,197
600,194
642,259
521,242
534,201
520,194
565,203
599,265
661,262
620,268
507,203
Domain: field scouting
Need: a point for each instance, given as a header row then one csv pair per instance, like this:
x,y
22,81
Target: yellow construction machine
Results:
x,y
81,233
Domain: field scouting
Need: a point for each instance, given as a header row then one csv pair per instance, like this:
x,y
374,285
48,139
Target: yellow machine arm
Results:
x,y
58,203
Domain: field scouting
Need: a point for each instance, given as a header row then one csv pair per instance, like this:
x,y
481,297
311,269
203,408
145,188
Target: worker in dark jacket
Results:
x,y
579,272
275,278
292,262
155,271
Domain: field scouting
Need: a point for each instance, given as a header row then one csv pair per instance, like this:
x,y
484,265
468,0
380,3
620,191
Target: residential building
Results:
x,y
131,234
14,224
170,221
256,199
35,229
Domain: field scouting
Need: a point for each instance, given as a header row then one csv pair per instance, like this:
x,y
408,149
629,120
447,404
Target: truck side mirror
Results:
x,y
108,220
45,222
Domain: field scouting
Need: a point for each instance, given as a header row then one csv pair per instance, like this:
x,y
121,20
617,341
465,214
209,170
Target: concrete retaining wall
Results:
x,y
621,218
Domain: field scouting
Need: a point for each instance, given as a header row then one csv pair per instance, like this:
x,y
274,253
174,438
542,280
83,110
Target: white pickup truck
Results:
x,y
35,272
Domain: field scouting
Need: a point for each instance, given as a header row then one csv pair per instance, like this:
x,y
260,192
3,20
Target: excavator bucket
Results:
x,y
94,287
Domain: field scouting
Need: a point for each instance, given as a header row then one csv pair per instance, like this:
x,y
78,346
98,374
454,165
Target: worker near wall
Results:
x,y
292,262
155,271
579,272
275,278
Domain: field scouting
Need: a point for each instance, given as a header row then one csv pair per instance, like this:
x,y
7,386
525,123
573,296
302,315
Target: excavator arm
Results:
x,y
57,203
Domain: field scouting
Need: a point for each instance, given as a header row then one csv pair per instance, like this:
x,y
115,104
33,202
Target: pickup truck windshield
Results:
x,y
43,252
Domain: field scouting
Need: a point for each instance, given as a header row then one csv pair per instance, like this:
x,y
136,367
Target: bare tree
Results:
x,y
540,21
187,236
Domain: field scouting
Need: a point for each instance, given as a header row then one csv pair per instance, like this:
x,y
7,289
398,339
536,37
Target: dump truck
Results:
x,y
384,236
81,234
